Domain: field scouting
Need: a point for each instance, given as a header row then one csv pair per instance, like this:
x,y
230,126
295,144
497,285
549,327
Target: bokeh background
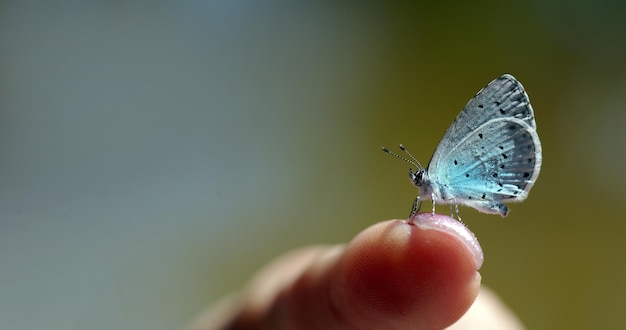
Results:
x,y
154,154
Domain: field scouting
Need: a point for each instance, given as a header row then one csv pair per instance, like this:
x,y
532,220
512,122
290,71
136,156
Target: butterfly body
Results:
x,y
491,154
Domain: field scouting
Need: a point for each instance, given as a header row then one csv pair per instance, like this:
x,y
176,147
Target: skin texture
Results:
x,y
393,275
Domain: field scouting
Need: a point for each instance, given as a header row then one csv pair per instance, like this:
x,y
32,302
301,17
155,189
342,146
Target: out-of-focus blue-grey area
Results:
x,y
154,154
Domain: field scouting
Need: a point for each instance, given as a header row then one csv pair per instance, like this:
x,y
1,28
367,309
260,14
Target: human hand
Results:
x,y
393,275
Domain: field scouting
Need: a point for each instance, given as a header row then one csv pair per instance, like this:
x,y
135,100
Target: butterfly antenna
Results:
x,y
417,162
411,161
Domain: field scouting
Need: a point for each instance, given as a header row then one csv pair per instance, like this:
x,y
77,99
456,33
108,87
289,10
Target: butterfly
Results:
x,y
490,155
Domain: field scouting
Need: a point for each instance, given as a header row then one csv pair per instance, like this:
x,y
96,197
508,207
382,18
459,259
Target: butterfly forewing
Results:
x,y
504,97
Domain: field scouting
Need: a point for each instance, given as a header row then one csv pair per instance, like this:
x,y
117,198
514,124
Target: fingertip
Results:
x,y
453,227
395,274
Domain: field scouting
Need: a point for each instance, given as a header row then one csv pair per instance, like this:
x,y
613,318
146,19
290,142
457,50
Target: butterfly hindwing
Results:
x,y
498,161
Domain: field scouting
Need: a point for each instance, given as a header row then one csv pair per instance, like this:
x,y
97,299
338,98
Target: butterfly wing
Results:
x,y
491,153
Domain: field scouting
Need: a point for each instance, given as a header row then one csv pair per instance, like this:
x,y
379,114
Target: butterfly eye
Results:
x,y
416,176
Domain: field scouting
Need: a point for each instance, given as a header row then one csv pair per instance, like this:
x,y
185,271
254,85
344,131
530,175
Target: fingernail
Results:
x,y
453,227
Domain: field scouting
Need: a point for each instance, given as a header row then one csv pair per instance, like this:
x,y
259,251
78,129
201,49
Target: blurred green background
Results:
x,y
154,154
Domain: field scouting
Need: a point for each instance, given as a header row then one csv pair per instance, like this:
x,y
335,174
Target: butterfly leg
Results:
x,y
458,215
456,210
417,205
432,198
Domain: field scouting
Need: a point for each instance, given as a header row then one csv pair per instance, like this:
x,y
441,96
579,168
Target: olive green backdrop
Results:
x,y
154,154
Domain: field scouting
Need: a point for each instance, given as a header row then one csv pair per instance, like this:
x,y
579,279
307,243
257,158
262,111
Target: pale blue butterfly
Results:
x,y
490,154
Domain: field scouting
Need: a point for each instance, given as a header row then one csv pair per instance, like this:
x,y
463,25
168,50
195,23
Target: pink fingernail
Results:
x,y
453,227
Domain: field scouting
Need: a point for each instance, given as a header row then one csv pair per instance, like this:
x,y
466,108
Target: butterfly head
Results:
x,y
417,176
